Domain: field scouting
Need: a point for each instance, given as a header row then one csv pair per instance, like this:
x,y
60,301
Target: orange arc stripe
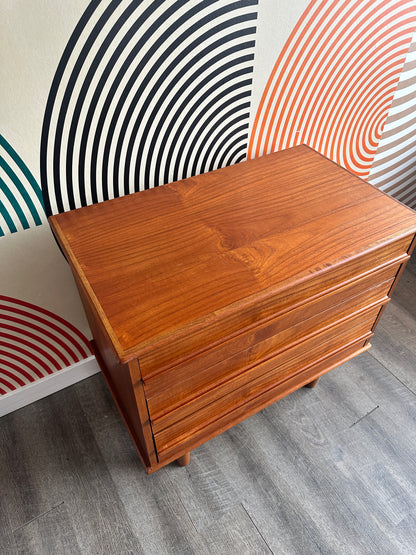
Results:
x,y
318,97
299,109
345,112
284,98
322,100
282,55
318,47
317,109
269,84
332,114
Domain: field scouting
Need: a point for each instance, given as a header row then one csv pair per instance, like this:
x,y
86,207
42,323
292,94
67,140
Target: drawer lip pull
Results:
x,y
149,373
157,414
157,422
257,400
274,370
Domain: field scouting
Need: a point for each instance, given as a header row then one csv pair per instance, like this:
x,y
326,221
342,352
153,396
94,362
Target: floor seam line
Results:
x,y
394,376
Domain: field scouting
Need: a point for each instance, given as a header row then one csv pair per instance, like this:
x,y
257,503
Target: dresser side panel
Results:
x,y
126,387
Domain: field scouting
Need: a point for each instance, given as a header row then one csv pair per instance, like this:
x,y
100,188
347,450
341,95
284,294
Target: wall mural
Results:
x,y
21,203
34,343
394,169
145,92
334,81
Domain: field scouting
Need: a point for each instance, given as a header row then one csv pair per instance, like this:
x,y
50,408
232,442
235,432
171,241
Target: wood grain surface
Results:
x,y
163,261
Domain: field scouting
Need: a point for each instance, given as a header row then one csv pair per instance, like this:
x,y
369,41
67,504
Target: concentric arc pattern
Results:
x,y
394,167
334,81
147,93
21,202
34,343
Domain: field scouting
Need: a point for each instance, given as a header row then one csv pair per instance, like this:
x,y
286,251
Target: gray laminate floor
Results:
x,y
329,470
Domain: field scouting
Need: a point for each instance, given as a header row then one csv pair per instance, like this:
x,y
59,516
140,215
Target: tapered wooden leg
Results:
x,y
312,384
184,460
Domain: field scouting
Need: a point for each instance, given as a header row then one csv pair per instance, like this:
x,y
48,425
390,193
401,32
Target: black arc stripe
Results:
x,y
143,91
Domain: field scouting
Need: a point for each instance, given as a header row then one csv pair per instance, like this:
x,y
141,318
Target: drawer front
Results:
x,y
189,419
230,321
239,413
182,383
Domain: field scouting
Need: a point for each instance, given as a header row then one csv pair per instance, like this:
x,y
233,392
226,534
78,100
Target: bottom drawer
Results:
x,y
190,420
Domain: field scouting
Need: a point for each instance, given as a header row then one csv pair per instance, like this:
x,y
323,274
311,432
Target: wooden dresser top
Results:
x,y
162,259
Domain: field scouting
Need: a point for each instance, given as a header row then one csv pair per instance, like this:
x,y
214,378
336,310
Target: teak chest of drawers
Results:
x,y
212,297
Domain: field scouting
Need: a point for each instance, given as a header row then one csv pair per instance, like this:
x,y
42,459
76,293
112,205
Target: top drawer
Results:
x,y
251,313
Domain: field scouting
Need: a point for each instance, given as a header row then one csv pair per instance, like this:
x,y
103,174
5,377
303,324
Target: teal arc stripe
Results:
x,y
22,166
23,187
14,203
7,219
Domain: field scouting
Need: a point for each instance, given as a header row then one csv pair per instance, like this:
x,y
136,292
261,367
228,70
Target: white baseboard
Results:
x,y
46,386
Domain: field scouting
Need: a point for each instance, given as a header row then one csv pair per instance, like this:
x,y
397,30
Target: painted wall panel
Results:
x,y
33,36
275,23
334,80
394,168
34,277
147,93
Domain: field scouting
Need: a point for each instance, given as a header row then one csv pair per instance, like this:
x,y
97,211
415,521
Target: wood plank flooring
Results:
x,y
330,470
